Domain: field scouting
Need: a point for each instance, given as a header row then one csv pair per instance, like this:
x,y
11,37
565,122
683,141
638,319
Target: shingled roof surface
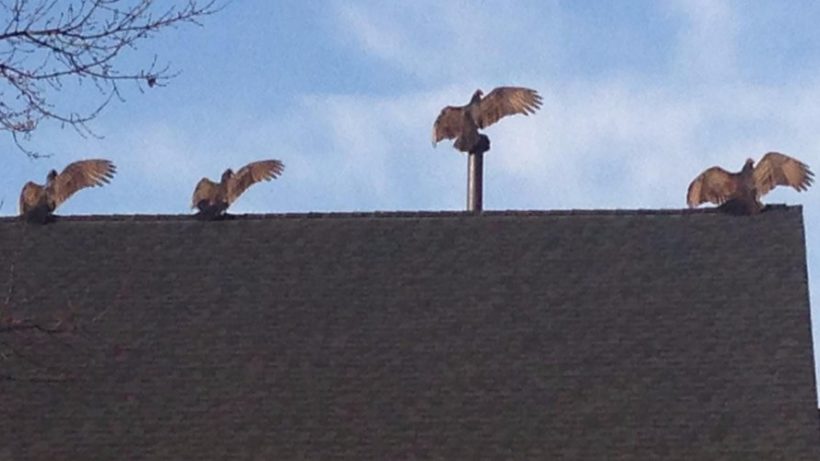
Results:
x,y
625,335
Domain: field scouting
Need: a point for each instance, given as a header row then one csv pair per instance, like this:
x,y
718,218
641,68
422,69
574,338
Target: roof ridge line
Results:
x,y
408,214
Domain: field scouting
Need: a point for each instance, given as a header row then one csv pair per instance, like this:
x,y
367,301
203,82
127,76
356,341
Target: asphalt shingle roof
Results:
x,y
613,335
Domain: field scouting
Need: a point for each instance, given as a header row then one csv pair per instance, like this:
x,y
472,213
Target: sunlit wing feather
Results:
x,y
79,175
776,169
252,173
449,124
30,197
714,185
504,101
205,190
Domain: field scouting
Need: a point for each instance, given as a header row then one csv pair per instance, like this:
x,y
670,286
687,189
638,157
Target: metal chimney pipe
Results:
x,y
475,181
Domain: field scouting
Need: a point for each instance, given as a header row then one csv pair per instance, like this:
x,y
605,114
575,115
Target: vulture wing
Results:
x,y
206,190
714,185
506,100
252,173
30,197
79,175
776,169
449,124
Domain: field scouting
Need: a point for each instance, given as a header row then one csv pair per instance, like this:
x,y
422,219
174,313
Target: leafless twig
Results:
x,y
49,47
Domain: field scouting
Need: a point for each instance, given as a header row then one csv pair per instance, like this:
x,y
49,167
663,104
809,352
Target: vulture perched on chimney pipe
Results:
x,y
213,199
739,193
463,122
37,203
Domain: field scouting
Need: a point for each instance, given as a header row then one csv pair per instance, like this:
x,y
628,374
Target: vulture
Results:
x,y
37,203
463,122
212,199
740,193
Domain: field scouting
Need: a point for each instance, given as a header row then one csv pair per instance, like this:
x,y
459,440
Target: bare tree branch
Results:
x,y
53,46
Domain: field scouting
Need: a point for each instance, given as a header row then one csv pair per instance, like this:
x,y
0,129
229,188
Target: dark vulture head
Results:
x,y
226,176
52,175
476,96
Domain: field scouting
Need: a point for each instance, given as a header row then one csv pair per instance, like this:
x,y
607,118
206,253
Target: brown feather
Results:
x,y
43,200
776,169
206,192
250,174
213,198
463,122
79,175
504,101
32,196
449,123
744,189
714,185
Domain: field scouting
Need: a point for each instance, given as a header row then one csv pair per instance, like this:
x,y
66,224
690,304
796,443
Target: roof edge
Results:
x,y
411,214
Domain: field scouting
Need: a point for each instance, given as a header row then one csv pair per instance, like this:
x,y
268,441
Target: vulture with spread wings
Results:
x,y
37,203
740,192
462,123
212,199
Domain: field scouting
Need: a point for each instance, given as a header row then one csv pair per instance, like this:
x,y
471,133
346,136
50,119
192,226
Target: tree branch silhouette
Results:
x,y
52,46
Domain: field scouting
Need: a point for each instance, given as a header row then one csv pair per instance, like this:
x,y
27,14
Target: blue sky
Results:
x,y
639,97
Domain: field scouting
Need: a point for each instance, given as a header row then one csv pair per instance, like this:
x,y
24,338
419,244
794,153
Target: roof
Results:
x,y
549,335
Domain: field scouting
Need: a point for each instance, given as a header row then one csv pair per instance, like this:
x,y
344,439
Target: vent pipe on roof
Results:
x,y
475,174
475,181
